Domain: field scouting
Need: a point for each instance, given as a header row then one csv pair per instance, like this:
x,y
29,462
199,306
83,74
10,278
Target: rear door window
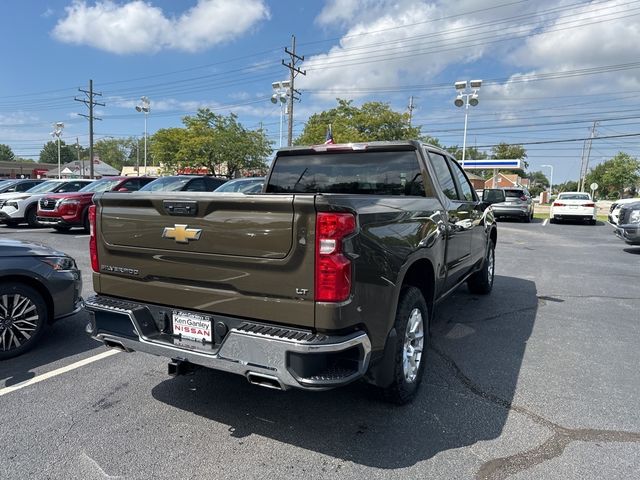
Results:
x,y
445,179
355,172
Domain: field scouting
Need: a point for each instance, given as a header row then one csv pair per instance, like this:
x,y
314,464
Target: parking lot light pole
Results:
x,y
57,132
280,96
144,107
550,180
467,95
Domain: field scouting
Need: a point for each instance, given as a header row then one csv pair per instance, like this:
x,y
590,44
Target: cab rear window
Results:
x,y
366,172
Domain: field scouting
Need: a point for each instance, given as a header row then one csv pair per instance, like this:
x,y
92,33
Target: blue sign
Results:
x,y
508,164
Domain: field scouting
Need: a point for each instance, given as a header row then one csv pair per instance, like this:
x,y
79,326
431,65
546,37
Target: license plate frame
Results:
x,y
192,326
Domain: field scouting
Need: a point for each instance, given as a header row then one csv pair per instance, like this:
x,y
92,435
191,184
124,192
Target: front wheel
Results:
x,y
23,319
481,282
411,325
31,217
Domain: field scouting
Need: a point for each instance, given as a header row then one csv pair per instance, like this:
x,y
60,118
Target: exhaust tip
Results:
x,y
266,381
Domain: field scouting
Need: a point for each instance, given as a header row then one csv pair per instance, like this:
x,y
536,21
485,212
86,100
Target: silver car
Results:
x,y
518,204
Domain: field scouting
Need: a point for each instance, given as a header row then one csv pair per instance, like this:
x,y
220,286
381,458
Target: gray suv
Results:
x,y
518,204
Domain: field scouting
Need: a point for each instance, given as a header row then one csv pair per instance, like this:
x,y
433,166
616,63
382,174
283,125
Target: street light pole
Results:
x,y
144,107
550,180
280,96
467,95
57,132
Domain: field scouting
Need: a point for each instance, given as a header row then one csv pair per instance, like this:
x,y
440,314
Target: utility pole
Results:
x,y
411,107
293,72
586,154
80,161
90,102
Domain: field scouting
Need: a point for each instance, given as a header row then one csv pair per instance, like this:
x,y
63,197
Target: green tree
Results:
x,y
472,153
568,186
6,154
431,141
616,175
372,121
49,153
217,142
117,151
507,151
538,182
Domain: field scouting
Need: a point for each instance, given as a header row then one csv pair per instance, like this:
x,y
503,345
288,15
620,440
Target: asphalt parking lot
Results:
x,y
538,380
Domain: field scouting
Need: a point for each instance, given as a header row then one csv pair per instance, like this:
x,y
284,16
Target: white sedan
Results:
x,y
573,206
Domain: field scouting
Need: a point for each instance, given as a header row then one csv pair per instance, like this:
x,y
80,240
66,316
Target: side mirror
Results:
x,y
493,195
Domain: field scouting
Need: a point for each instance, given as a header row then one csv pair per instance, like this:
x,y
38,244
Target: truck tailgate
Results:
x,y
246,255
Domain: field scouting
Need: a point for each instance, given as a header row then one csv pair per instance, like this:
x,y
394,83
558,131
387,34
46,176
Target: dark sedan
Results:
x,y
628,228
184,183
38,285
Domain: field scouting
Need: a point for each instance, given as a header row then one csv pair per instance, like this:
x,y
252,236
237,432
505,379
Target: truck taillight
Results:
x,y
93,246
333,268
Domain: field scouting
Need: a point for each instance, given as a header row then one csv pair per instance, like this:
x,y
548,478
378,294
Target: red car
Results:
x,y
64,211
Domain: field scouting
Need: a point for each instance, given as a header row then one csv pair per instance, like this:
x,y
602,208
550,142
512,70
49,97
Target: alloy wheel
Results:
x,y
413,345
19,320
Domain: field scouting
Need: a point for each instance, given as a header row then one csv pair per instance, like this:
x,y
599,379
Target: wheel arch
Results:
x,y
37,286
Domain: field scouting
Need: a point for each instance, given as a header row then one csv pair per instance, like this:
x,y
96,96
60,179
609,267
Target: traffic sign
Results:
x,y
594,186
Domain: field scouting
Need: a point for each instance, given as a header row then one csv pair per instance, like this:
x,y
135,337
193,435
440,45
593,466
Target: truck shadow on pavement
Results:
x,y
65,338
474,361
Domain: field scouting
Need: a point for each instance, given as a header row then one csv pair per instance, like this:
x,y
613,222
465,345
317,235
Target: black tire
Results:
x,y
31,217
11,223
85,222
592,222
23,319
60,229
553,220
406,377
481,282
527,219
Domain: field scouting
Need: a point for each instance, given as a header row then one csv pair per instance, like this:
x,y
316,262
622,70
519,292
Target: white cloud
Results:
x,y
138,26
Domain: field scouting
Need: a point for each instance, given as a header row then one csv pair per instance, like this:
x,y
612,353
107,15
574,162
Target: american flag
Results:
x,y
329,139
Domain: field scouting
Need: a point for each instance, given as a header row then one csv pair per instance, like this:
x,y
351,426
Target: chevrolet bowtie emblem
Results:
x,y
181,234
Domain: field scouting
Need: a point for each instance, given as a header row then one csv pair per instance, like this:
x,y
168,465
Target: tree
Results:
x,y
217,142
372,121
538,182
49,153
507,151
568,186
116,151
6,154
616,175
472,153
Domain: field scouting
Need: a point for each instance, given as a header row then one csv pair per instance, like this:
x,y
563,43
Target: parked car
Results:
x,y
628,228
64,211
573,206
18,185
614,210
330,276
518,204
184,183
16,208
38,285
242,185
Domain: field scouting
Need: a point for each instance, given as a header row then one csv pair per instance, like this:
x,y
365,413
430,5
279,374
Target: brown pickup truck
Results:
x,y
331,274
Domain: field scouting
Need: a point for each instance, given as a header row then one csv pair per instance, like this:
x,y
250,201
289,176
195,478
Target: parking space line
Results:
x,y
80,236
59,371
544,223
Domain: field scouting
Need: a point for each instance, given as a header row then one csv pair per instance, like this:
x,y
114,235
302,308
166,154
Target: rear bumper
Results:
x,y
510,212
294,358
629,233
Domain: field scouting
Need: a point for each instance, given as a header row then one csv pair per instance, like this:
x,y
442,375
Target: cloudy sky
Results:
x,y
549,68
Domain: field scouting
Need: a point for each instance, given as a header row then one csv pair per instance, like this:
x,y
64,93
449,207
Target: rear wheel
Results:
x,y
31,217
481,282
23,319
411,322
592,221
